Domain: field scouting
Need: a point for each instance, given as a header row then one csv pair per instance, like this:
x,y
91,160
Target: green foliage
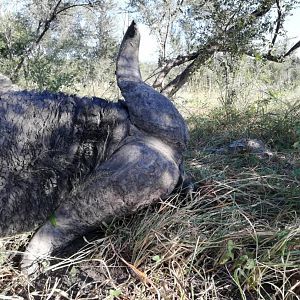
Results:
x,y
53,220
296,145
115,293
228,253
187,25
55,53
46,72
156,258
15,36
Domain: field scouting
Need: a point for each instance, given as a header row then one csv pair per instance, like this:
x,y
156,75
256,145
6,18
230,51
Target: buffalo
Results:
x,y
67,163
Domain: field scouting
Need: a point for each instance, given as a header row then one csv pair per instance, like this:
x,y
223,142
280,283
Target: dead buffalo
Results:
x,y
67,163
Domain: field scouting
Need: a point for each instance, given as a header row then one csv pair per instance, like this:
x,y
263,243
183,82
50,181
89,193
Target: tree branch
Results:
x,y
293,48
170,64
278,25
31,47
276,58
263,9
199,57
45,25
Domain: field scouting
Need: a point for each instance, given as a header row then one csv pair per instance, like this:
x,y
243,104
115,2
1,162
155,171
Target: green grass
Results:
x,y
237,236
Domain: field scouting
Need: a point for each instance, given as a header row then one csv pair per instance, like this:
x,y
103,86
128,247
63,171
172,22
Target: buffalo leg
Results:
x,y
140,172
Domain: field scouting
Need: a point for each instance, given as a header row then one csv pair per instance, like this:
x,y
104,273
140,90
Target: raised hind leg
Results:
x,y
140,172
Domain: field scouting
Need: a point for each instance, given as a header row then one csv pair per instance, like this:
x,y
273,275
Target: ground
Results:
x,y
236,236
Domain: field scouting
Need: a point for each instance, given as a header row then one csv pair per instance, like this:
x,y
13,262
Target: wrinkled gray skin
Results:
x,y
68,163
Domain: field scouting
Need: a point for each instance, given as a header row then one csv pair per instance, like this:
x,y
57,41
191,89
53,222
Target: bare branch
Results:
x,y
276,58
173,86
202,56
278,25
170,64
295,47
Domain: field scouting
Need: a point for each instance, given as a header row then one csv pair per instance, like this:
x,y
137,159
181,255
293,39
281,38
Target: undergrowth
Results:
x,y
236,236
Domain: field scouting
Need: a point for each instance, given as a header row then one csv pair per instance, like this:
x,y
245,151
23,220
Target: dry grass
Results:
x,y
237,236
